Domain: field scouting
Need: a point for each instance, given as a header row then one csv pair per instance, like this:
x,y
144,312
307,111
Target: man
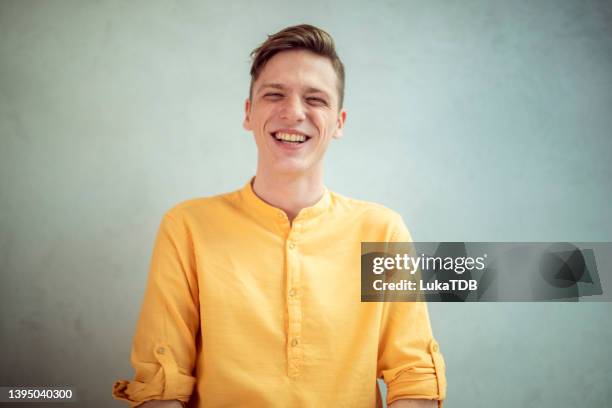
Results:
x,y
253,297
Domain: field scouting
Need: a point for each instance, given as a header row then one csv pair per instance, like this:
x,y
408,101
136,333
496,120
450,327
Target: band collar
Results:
x,y
252,202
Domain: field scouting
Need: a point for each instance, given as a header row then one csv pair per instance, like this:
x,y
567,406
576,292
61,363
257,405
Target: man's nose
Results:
x,y
293,110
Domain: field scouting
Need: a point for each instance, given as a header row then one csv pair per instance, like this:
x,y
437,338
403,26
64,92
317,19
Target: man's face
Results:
x,y
294,113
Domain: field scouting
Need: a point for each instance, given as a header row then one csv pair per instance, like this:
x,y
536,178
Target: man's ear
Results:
x,y
340,124
246,124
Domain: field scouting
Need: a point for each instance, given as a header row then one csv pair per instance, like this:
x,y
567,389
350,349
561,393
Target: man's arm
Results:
x,y
409,358
164,346
410,361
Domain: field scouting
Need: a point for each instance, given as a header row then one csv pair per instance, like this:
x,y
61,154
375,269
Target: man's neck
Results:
x,y
289,192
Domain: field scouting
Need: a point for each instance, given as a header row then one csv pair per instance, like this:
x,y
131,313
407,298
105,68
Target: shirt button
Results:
x,y
294,342
161,350
435,347
291,245
292,292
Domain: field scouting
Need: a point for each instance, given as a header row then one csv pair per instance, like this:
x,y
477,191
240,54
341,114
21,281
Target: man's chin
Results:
x,y
290,167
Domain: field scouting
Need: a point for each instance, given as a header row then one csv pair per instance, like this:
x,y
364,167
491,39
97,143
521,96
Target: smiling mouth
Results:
x,y
291,138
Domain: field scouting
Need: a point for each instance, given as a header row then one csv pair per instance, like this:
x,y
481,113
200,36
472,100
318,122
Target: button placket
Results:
x,y
294,308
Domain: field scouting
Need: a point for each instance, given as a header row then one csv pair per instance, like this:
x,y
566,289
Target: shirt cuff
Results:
x,y
419,383
166,382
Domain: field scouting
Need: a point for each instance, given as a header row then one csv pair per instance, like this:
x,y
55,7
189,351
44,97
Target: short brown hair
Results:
x,y
302,36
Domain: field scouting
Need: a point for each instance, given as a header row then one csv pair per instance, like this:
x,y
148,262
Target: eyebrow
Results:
x,y
270,85
316,90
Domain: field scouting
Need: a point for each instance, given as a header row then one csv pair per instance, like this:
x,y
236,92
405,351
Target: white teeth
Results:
x,y
289,137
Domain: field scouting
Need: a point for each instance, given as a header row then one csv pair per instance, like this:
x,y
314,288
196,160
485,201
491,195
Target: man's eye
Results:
x,y
273,95
317,101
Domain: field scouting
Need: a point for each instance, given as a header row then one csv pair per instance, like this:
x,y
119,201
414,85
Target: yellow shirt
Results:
x,y
244,308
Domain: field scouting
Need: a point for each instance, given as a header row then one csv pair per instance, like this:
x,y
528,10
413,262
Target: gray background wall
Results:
x,y
476,120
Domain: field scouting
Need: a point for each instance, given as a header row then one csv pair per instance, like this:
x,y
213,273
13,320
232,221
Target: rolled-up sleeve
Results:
x,y
164,347
410,361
